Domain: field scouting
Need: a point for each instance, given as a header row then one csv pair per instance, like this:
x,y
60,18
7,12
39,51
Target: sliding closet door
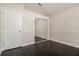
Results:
x,y
12,23
41,29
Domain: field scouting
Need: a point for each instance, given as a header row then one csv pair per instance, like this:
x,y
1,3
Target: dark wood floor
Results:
x,y
46,48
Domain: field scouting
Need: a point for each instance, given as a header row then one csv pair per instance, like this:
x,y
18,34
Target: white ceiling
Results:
x,y
49,8
52,8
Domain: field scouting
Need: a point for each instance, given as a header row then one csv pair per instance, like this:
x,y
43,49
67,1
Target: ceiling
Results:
x,y
48,8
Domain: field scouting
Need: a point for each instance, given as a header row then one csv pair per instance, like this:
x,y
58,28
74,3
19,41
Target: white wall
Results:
x,y
29,25
64,26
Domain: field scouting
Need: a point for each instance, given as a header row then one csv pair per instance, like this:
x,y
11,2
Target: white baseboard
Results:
x,y
66,43
1,51
30,43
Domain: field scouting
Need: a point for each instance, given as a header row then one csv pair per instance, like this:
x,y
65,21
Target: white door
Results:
x,y
12,23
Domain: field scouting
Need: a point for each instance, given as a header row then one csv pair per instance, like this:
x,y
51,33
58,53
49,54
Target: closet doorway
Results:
x,y
41,29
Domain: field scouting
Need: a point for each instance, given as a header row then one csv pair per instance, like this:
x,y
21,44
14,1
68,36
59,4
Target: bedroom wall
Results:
x,y
29,25
64,26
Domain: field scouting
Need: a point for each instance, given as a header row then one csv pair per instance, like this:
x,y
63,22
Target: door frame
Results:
x,y
38,18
